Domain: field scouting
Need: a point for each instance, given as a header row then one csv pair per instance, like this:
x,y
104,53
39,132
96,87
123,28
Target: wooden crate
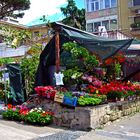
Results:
x,y
58,98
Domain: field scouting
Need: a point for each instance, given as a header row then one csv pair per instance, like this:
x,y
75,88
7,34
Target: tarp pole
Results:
x,y
57,51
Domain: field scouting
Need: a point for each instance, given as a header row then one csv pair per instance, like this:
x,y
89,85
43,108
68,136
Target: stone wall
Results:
x,y
85,118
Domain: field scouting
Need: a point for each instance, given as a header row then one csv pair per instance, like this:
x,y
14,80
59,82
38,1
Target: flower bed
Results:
x,y
94,93
35,116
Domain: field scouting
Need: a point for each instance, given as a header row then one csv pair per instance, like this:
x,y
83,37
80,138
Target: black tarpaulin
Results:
x,y
16,84
102,47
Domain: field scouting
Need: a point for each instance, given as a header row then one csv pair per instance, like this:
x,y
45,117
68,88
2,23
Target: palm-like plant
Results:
x,y
74,16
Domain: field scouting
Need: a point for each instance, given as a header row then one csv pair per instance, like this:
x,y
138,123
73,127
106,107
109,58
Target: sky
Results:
x,y
50,8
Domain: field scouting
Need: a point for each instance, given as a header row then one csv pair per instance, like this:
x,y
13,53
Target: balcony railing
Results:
x,y
120,34
115,34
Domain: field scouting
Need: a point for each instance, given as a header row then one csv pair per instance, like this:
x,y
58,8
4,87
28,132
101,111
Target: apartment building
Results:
x,y
39,34
114,15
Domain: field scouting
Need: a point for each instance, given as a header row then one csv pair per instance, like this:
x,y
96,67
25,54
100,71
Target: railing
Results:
x,y
116,34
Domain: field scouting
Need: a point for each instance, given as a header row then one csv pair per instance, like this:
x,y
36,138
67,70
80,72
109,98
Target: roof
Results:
x,y
21,26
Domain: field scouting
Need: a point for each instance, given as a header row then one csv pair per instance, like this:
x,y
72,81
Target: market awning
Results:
x,y
102,47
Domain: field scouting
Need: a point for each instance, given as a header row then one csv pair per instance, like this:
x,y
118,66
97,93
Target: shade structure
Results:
x,y
101,47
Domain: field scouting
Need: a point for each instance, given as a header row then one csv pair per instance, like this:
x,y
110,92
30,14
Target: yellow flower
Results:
x,y
97,91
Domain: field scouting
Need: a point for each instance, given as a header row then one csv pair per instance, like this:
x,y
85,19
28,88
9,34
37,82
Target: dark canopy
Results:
x,y
102,47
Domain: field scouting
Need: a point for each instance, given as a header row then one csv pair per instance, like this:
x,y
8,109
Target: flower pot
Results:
x,y
71,101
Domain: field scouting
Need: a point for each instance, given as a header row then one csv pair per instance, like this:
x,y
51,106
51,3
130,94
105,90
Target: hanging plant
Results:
x,y
117,69
80,62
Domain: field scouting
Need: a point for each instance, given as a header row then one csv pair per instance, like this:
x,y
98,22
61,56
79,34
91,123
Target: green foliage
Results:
x,y
14,37
29,68
72,74
34,116
68,94
80,61
117,69
74,17
11,114
115,95
37,118
4,61
83,101
8,8
102,97
2,91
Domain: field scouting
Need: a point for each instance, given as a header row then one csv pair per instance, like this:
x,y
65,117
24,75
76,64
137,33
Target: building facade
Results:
x,y
39,34
120,15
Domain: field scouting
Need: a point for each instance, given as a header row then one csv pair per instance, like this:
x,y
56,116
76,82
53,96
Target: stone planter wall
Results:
x,y
84,118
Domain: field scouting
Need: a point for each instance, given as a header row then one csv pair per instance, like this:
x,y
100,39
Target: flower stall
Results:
x,y
78,82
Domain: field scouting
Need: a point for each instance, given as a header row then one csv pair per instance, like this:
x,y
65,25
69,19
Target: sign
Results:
x,y
59,78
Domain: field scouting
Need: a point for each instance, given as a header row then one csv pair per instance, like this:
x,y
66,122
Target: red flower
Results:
x,y
9,106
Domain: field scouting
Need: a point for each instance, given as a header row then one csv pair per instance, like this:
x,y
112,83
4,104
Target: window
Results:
x,y
109,25
87,5
106,24
96,25
90,27
102,4
113,3
113,24
92,7
107,3
97,5
136,2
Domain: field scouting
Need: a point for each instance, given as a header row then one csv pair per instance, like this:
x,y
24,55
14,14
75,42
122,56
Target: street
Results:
x,y
127,128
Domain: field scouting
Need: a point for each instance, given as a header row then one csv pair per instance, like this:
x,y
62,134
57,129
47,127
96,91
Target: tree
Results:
x,y
74,17
13,8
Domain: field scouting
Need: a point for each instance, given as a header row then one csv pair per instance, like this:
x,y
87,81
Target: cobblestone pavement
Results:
x,y
126,129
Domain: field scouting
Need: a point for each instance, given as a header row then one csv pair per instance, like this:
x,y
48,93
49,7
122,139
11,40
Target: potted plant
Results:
x,y
69,99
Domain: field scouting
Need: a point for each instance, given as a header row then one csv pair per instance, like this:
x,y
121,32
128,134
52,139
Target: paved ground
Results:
x,y
126,129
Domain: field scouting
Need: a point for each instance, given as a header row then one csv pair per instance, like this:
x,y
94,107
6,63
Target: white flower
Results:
x,y
31,110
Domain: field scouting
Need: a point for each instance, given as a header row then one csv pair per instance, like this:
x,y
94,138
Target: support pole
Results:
x,y
57,52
